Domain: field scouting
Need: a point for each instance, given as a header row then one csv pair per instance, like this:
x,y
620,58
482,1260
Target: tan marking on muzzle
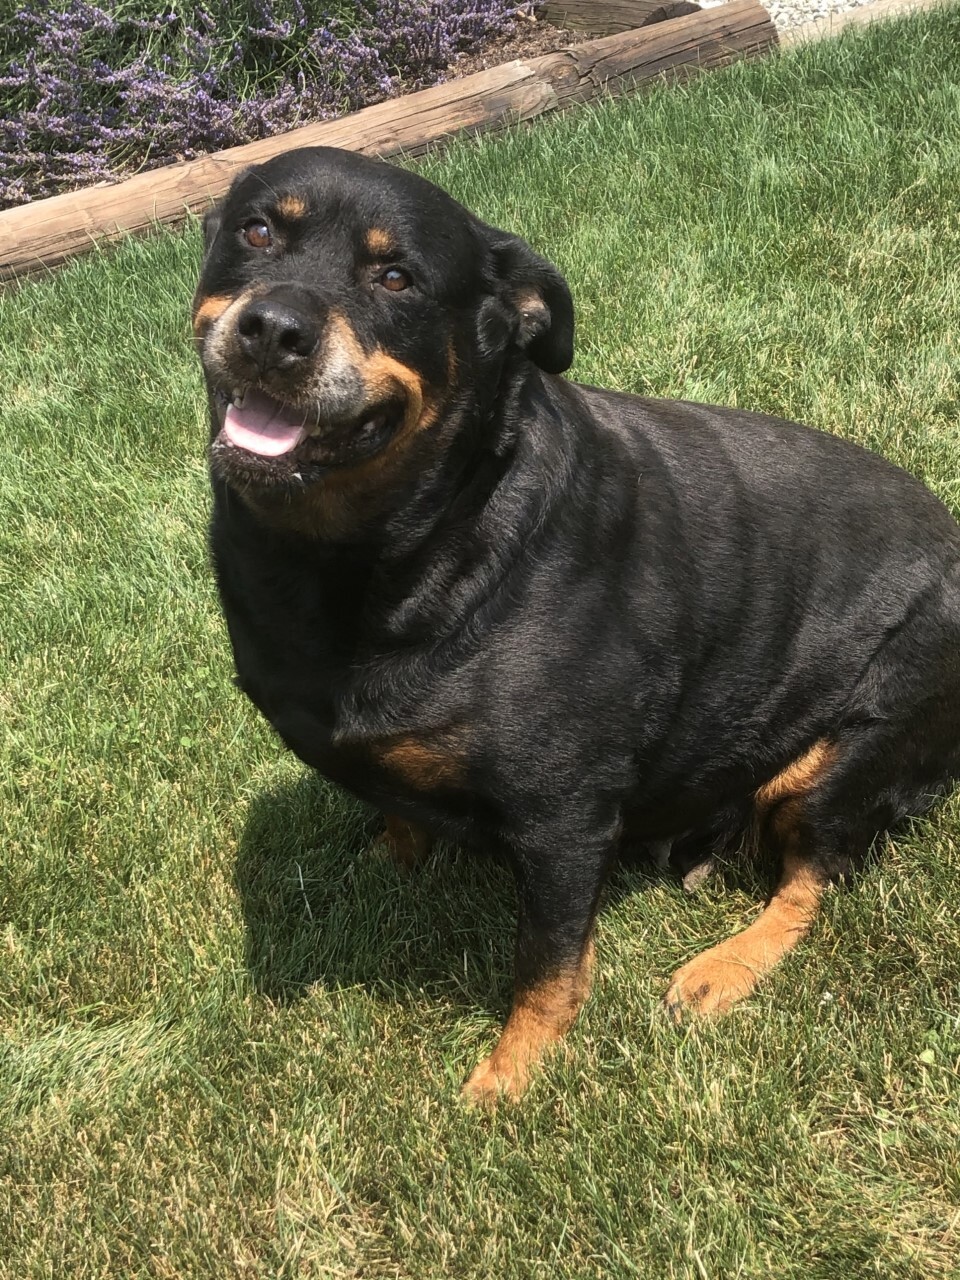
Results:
x,y
215,335
384,377
351,494
209,310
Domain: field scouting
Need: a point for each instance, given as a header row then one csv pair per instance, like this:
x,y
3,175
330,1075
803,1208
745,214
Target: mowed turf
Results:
x,y
233,1042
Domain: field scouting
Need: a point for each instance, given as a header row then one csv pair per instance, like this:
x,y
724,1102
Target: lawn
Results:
x,y
232,1043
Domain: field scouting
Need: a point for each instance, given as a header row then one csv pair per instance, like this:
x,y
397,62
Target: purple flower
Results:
x,y
91,94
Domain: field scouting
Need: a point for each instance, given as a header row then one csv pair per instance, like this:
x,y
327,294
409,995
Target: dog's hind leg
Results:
x,y
716,979
823,813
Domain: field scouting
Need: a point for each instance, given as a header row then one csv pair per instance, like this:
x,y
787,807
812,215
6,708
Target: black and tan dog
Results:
x,y
512,610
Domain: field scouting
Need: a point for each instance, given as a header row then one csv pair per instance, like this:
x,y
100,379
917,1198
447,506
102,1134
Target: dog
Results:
x,y
517,612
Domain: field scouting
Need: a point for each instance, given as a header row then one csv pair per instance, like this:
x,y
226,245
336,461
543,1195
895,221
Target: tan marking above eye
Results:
x,y
291,207
380,243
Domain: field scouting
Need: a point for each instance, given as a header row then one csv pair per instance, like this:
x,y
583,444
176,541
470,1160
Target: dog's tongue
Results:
x,y
263,425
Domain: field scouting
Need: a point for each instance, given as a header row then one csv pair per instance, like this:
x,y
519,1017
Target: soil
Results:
x,y
530,39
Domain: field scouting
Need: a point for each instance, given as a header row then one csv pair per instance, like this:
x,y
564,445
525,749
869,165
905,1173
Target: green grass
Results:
x,y
231,1043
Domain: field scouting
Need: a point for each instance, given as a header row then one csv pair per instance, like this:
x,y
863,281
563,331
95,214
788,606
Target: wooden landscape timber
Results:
x,y
605,17
38,236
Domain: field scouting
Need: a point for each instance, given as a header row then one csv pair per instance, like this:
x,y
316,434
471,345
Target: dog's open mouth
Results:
x,y
262,438
258,423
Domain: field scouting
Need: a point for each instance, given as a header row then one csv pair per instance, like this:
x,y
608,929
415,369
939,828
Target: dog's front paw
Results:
x,y
402,843
494,1080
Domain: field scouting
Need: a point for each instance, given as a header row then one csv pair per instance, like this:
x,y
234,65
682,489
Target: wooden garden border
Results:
x,y
38,236
604,17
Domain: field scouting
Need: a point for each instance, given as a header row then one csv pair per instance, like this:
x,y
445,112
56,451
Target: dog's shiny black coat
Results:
x,y
588,611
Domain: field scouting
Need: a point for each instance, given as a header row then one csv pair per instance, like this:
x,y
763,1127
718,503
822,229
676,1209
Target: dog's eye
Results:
x,y
257,234
394,279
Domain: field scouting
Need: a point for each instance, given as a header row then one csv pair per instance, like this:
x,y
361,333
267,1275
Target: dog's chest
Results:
x,y
382,765
381,740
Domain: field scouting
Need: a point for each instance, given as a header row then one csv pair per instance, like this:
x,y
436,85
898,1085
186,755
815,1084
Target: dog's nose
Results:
x,y
275,335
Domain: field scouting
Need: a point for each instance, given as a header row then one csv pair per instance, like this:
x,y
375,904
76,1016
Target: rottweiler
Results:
x,y
513,611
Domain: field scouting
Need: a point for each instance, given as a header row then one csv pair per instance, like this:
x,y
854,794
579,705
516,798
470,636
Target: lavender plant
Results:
x,y
90,93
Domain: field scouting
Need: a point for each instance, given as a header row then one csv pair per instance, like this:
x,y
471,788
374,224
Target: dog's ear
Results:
x,y
539,296
213,218
212,221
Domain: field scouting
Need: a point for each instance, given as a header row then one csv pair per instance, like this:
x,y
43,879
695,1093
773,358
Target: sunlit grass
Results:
x,y
232,1043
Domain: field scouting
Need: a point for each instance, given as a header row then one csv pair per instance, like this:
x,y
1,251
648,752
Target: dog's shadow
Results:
x,y
321,907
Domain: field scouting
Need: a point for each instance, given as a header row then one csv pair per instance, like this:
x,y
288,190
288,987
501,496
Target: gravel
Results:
x,y
534,36
794,13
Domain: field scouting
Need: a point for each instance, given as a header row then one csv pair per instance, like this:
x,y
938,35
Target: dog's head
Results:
x,y
345,306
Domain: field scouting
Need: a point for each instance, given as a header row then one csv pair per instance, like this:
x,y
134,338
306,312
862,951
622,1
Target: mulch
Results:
x,y
531,39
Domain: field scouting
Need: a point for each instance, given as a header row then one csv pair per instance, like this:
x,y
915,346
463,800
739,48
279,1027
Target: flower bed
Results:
x,y
90,94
